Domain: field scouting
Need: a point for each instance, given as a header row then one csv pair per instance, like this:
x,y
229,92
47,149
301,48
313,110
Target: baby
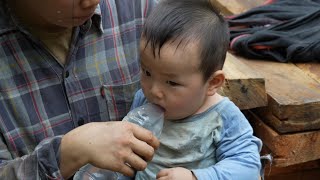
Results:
x,y
205,136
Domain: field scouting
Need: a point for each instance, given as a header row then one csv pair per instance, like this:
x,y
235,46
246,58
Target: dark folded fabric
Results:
x,y
284,30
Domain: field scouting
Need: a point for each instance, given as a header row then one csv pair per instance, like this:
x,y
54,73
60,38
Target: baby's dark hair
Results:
x,y
190,20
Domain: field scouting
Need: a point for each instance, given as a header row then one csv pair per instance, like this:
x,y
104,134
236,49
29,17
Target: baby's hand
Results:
x,y
175,174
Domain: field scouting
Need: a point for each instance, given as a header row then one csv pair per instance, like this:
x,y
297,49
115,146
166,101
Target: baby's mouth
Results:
x,y
161,107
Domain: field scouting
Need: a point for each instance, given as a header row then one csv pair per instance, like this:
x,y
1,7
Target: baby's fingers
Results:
x,y
163,174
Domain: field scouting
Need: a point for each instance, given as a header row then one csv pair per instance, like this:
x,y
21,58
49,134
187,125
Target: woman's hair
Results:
x,y
190,21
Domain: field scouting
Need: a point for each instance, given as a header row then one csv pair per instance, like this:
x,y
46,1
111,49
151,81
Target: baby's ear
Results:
x,y
215,82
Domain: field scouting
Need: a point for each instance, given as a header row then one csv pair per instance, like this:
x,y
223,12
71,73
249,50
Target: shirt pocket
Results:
x,y
119,99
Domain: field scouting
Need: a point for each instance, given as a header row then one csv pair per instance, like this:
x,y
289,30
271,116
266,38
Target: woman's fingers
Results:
x,y
142,149
145,135
136,162
126,170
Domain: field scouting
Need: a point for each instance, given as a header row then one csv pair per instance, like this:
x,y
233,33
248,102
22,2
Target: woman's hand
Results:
x,y
118,146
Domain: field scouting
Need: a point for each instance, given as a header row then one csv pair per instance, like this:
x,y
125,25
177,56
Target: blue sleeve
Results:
x,y
139,99
237,152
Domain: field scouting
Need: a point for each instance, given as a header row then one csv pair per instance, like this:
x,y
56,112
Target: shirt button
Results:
x,y
80,122
66,74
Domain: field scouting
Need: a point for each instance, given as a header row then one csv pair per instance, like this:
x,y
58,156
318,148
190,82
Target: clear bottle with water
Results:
x,y
148,116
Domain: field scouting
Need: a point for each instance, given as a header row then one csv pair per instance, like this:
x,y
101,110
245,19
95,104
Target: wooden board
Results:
x,y
292,95
230,7
288,126
293,89
312,69
307,166
287,149
244,86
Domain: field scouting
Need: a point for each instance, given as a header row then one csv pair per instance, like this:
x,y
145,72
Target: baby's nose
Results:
x,y
156,92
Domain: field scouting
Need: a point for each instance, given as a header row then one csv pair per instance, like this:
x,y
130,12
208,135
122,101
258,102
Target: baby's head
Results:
x,y
183,49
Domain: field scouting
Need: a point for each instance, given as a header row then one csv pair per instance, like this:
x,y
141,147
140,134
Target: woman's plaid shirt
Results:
x,y
41,100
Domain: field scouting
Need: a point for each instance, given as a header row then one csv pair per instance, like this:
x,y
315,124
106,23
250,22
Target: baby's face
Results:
x,y
63,13
173,80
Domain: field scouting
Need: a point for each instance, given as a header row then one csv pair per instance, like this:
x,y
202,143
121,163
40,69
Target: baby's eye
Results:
x,y
171,83
145,72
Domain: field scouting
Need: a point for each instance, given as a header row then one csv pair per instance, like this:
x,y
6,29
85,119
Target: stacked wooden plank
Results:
x,y
289,125
245,87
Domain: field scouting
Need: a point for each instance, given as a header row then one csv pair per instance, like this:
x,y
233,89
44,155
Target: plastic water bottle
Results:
x,y
148,116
